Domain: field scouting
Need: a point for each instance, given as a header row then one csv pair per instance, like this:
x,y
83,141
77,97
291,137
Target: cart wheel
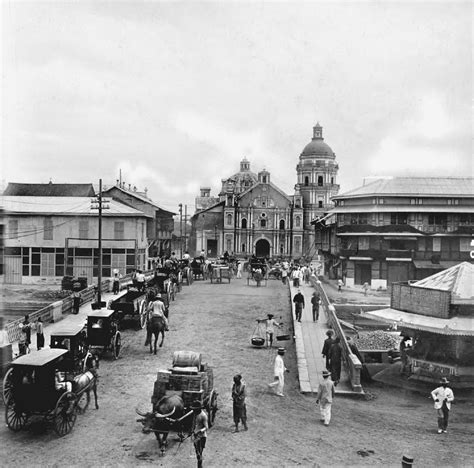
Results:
x,y
142,312
212,408
117,345
7,385
14,418
65,414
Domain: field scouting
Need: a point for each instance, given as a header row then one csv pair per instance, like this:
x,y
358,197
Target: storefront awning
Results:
x,y
455,326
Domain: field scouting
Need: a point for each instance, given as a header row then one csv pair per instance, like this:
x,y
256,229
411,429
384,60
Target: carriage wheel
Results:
x,y
142,312
117,345
65,414
14,418
212,408
7,385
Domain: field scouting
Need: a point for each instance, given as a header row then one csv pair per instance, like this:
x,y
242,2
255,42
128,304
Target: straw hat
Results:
x,y
281,350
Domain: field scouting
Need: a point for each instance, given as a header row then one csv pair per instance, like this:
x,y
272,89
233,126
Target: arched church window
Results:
x,y
320,181
282,224
332,180
244,223
229,220
320,204
306,181
263,223
297,221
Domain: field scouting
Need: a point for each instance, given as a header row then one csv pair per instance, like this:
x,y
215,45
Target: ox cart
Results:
x,y
132,304
175,389
219,272
39,387
103,331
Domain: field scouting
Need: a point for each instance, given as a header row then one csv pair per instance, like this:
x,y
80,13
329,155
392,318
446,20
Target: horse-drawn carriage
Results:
x,y
218,272
199,268
103,331
185,272
162,282
187,381
39,385
73,338
257,271
132,304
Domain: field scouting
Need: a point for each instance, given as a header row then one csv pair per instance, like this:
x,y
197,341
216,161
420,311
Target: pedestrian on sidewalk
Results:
x,y
39,334
295,277
443,396
335,359
328,342
116,284
326,394
284,275
239,393
76,302
279,370
298,299
315,302
339,284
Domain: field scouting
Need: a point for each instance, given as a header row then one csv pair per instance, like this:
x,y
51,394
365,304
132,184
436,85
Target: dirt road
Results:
x,y
218,320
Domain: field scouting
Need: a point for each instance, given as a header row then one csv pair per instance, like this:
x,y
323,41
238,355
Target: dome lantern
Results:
x,y
318,132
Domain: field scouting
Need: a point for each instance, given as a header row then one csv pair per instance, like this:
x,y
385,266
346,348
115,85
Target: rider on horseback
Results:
x,y
157,308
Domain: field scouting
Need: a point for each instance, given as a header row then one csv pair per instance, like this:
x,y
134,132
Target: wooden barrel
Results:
x,y
186,359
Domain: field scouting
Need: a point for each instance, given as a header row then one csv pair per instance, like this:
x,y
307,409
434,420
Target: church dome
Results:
x,y
317,147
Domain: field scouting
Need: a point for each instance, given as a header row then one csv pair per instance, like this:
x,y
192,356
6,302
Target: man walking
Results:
x,y
239,392
443,396
326,393
279,370
270,323
335,359
298,299
200,427
315,301
328,342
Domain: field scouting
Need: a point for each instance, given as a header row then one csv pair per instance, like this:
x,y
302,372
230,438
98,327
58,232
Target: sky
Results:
x,y
176,94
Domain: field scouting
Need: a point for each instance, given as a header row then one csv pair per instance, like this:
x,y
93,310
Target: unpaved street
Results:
x,y
218,320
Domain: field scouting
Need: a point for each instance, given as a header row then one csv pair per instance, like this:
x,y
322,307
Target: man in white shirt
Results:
x,y
279,370
326,393
443,396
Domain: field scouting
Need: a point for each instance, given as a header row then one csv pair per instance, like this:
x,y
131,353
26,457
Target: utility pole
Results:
x,y
99,204
185,223
181,230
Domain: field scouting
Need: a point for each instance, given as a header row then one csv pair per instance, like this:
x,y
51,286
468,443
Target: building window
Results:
x,y
48,229
13,229
397,244
264,179
466,219
399,218
332,180
282,248
229,220
143,232
263,223
48,264
282,224
306,181
436,244
464,244
243,248
320,181
244,223
438,219
363,243
83,229
264,202
297,221
119,227
320,204
416,201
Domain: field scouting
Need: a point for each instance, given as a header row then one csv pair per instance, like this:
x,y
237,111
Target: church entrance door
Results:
x,y
262,248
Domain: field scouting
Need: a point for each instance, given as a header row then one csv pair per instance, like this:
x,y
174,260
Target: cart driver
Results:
x,y
60,383
270,323
157,308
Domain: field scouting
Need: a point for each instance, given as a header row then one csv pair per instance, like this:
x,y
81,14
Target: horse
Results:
x,y
155,326
86,382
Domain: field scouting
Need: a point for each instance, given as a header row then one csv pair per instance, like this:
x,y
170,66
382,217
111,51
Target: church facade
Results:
x,y
255,217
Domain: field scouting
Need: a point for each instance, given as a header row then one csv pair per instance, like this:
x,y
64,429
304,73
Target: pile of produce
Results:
x,y
377,339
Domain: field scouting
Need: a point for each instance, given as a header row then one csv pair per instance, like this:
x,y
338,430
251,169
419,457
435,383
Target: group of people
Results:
x,y
25,335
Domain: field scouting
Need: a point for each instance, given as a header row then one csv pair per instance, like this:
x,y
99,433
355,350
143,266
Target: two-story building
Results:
x,y
47,237
159,222
402,228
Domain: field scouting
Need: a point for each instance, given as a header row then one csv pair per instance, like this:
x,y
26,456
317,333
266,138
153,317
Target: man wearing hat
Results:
x,y
298,299
325,395
199,432
279,370
442,396
270,323
328,342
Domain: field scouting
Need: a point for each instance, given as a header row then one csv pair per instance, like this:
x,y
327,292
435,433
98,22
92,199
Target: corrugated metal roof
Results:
x,y
49,190
461,326
64,206
458,279
415,186
403,209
